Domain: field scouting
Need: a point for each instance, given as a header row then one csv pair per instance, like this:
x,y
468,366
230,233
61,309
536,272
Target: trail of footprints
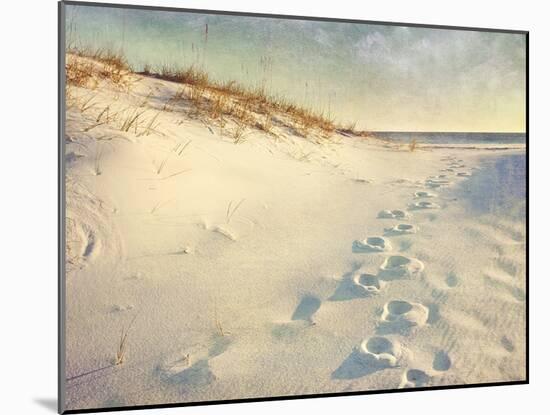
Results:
x,y
399,317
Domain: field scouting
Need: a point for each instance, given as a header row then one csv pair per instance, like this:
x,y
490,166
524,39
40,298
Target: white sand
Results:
x,y
441,303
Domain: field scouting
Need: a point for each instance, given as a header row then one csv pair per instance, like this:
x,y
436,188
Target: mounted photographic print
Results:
x,y
258,207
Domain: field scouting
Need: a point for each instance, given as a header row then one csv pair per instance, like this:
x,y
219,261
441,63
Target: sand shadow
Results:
x,y
354,367
442,361
433,315
198,374
346,290
307,307
219,346
290,331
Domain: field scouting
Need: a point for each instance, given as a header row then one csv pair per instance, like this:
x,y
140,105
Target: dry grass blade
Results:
x,y
238,133
174,174
183,148
91,127
217,322
165,160
121,351
159,205
131,120
150,128
97,160
104,111
231,210
87,104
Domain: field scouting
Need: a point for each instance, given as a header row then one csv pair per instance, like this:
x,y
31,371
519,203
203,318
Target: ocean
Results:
x,y
440,138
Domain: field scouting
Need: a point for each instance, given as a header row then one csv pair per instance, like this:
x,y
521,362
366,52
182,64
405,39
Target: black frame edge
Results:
x,y
61,208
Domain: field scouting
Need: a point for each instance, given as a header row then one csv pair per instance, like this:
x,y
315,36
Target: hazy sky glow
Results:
x,y
383,77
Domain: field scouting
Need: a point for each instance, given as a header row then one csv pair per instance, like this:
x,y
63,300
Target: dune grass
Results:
x,y
211,101
97,64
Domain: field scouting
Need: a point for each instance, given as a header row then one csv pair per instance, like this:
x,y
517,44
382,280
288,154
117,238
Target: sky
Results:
x,y
383,78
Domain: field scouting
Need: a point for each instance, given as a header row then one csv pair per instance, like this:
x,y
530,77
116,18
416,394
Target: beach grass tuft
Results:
x,y
211,101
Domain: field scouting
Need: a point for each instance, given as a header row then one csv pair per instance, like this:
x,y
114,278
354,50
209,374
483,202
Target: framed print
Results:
x,y
258,207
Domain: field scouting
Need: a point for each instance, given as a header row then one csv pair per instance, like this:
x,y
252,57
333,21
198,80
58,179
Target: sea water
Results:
x,y
447,138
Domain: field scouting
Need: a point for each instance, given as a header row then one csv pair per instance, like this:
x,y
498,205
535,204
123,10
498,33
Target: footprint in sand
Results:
x,y
424,195
401,316
90,245
371,244
399,266
393,214
431,217
507,344
414,378
357,283
451,280
442,361
374,354
367,284
435,183
423,205
401,229
84,243
119,308
379,352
